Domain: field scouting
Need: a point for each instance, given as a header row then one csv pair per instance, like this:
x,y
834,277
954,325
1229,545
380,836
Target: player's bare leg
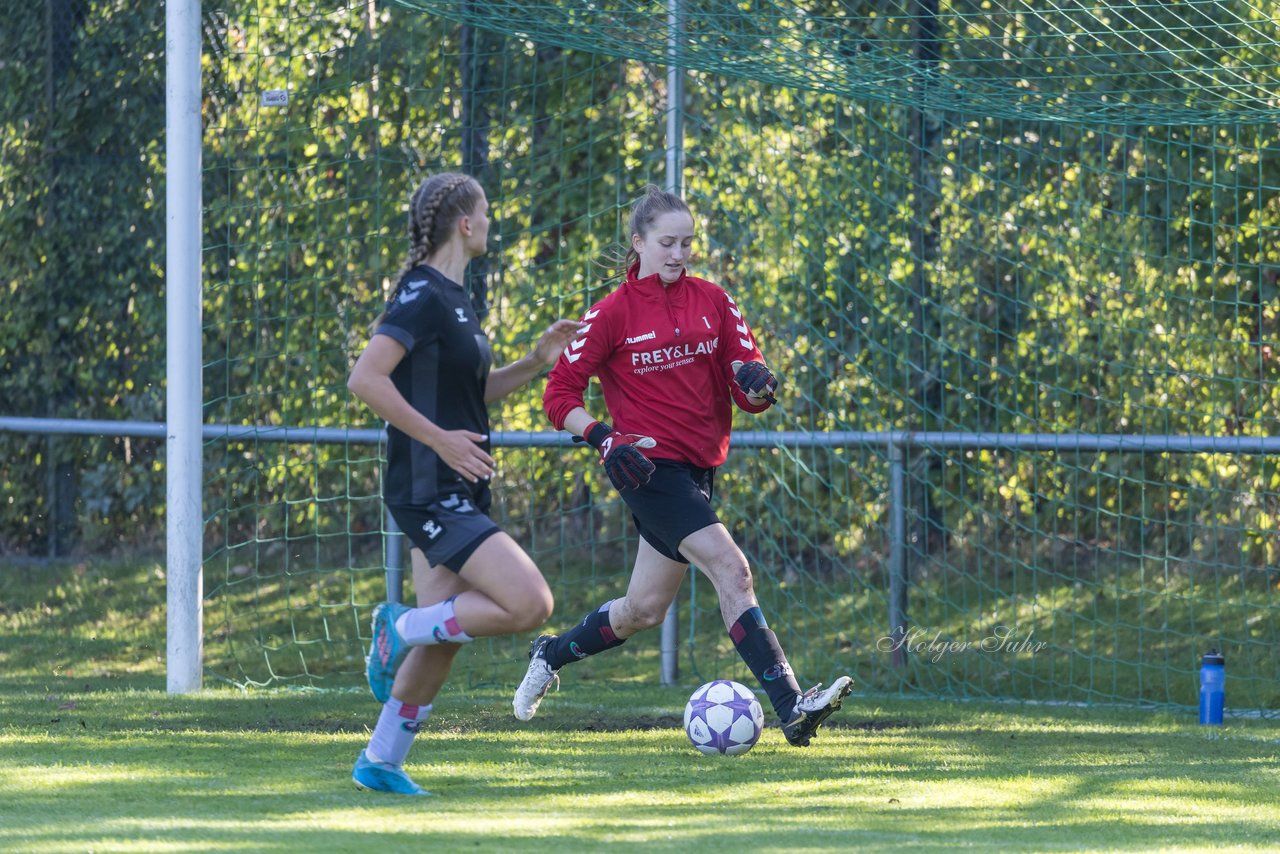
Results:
x,y
715,552
655,580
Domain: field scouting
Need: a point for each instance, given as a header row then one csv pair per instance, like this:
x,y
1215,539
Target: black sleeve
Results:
x,y
414,316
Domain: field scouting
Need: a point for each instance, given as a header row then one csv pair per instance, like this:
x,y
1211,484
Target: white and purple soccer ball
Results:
x,y
723,717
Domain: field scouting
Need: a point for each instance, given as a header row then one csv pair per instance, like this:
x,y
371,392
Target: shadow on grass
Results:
x,y
231,792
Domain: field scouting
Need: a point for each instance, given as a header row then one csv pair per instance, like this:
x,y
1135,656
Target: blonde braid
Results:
x,y
424,238
428,228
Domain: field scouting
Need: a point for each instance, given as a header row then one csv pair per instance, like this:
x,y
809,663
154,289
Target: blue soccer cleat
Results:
x,y
386,651
372,776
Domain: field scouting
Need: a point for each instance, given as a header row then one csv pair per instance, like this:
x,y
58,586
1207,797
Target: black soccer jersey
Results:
x,y
442,376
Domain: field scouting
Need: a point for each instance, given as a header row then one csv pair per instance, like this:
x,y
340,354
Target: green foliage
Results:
x,y
1061,226
81,258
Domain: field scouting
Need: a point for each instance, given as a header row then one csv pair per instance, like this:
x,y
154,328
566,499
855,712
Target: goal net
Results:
x,y
967,221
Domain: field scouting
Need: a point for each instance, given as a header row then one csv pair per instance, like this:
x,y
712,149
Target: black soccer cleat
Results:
x,y
814,707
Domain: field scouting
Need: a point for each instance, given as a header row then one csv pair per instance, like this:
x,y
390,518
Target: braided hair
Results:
x,y
434,209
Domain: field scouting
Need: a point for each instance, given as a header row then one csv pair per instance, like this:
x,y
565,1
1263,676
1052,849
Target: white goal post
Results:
x,y
184,519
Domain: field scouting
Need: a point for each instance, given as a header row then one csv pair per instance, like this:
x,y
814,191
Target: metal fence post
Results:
x,y
393,544
897,552
670,660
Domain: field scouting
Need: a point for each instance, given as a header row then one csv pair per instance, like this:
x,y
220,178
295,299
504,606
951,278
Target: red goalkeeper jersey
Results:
x,y
663,356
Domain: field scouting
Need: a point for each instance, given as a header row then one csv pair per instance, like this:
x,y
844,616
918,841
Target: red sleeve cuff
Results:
x,y
744,403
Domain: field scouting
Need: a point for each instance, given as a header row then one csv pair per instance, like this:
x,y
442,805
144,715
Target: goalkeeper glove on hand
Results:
x,y
619,453
756,381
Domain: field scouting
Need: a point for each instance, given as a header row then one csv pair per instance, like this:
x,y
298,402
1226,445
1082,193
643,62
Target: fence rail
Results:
x,y
897,445
1151,443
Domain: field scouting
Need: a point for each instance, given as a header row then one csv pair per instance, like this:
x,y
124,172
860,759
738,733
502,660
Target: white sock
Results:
x,y
432,625
393,736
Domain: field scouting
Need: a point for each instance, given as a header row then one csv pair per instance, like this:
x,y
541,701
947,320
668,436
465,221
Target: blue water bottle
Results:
x,y
1213,674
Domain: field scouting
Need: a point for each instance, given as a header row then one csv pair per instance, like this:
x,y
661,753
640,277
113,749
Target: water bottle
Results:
x,y
1213,674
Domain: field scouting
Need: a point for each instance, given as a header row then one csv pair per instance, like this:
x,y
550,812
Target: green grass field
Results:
x,y
97,757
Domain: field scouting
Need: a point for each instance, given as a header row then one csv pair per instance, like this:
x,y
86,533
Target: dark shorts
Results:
x,y
449,529
672,505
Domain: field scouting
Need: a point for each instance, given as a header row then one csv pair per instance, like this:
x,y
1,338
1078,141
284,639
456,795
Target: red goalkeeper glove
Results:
x,y
620,454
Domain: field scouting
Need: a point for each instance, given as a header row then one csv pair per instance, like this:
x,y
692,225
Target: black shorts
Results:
x,y
449,529
672,505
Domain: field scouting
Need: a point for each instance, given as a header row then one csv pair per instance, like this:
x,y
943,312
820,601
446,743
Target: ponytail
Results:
x,y
654,203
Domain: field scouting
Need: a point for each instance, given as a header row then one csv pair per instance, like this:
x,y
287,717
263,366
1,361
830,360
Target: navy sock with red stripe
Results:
x,y
759,648
594,634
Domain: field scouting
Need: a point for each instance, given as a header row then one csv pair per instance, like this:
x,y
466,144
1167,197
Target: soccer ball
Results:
x,y
723,717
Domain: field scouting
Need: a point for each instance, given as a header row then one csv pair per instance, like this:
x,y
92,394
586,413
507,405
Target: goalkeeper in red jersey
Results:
x,y
673,354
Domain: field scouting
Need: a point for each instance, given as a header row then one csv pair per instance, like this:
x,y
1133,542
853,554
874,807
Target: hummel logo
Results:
x,y
432,529
776,671
411,291
576,345
648,336
457,504
462,315
570,352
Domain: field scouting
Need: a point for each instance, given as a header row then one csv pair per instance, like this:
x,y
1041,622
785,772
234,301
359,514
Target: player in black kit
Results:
x,y
427,371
